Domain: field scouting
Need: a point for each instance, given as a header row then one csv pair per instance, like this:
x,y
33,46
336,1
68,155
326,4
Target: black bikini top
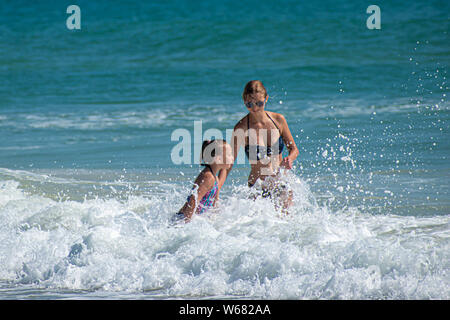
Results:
x,y
263,151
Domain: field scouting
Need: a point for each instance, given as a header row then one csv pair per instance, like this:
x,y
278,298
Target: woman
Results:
x,y
263,135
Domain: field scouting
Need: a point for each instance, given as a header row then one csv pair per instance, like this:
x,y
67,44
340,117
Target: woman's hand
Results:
x,y
286,163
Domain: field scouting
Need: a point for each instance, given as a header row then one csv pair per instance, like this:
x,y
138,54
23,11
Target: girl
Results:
x,y
216,155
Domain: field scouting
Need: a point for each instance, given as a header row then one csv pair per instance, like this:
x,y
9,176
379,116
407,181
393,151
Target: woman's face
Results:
x,y
255,103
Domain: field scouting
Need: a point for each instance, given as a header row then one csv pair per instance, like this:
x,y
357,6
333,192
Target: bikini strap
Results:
x,y
273,121
248,128
248,121
209,167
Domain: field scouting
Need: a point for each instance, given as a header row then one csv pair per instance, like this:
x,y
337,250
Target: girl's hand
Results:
x,y
286,163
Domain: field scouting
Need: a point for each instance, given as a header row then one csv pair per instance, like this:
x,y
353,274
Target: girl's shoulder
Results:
x,y
205,178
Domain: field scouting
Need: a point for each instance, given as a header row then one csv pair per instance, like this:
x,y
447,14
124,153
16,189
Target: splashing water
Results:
x,y
123,243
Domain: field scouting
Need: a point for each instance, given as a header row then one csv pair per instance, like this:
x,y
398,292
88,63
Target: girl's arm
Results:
x,y
237,140
222,177
202,185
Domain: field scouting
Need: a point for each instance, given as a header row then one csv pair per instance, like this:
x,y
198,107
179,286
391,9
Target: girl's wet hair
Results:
x,y
206,159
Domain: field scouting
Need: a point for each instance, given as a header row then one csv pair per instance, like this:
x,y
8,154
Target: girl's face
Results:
x,y
256,103
226,158
228,152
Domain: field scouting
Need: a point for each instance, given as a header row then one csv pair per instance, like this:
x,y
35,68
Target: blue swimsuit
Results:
x,y
208,199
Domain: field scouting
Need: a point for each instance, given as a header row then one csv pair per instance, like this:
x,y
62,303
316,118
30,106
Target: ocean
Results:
x,y
88,185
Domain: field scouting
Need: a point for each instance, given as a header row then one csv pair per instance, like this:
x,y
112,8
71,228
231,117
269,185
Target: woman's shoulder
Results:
x,y
278,117
241,124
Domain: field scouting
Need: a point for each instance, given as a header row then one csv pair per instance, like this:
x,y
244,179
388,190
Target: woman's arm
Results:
x,y
290,143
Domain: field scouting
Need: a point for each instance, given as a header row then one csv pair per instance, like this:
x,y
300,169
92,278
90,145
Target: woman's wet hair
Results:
x,y
205,158
253,89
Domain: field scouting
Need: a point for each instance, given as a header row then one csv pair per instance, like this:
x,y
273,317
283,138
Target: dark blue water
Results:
x,y
109,96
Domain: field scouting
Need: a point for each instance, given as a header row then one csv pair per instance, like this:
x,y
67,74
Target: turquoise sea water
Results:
x,y
87,184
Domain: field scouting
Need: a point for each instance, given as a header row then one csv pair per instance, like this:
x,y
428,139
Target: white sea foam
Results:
x,y
94,121
356,107
245,248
